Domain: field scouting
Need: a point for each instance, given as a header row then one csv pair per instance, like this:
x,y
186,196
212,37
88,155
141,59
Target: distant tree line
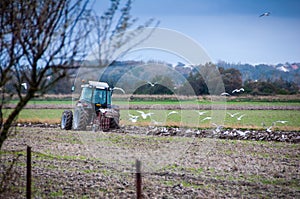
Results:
x,y
232,79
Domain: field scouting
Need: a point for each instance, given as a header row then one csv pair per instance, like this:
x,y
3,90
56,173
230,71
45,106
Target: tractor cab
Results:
x,y
96,93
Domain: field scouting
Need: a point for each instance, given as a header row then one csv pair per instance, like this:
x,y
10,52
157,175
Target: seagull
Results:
x,y
24,85
238,90
145,115
133,118
269,130
242,133
232,115
207,118
155,122
172,112
117,88
239,118
218,128
225,94
152,84
281,121
201,112
265,14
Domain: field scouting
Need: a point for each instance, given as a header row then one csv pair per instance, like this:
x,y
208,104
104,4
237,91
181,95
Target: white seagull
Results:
x,y
155,122
172,112
225,94
239,118
133,118
269,130
207,118
152,84
201,112
281,121
265,14
218,127
117,88
238,90
232,115
145,115
24,85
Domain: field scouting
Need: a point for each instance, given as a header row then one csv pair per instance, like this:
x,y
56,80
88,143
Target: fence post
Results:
x,y
138,179
28,173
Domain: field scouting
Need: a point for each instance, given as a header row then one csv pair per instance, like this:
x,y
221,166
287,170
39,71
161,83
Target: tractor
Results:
x,y
94,109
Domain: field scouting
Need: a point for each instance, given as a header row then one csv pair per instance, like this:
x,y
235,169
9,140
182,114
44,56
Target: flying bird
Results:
x,y
242,133
133,118
155,122
117,88
239,118
265,14
145,115
24,85
207,118
225,94
218,128
232,115
238,90
269,130
172,112
201,112
152,84
281,121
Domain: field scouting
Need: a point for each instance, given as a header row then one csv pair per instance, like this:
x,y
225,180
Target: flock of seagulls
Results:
x,y
234,91
269,129
134,118
237,115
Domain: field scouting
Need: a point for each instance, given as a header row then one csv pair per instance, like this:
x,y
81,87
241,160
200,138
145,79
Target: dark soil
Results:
x,y
176,163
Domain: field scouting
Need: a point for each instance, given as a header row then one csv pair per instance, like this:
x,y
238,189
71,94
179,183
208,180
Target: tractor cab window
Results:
x,y
102,97
86,94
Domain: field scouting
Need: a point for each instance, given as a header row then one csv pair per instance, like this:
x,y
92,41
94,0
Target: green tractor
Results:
x,y
94,109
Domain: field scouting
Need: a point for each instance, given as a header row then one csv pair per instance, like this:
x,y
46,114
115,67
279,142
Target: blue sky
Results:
x,y
231,30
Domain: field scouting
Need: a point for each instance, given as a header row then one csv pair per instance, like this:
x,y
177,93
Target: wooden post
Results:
x,y
138,179
28,173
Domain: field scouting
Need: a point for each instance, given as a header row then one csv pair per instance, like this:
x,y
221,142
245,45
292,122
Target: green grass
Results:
x,y
252,119
172,102
207,102
50,102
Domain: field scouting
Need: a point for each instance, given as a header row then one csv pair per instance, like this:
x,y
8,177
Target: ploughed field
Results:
x,y
86,164
199,150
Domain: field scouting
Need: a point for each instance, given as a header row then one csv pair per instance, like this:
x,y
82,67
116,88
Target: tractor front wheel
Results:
x,y
66,120
80,119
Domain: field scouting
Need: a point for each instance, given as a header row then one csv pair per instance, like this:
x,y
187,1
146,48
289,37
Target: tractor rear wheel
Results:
x,y
114,123
80,119
66,120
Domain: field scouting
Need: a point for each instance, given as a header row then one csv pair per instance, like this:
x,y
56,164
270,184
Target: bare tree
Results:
x,y
41,40
115,28
38,39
